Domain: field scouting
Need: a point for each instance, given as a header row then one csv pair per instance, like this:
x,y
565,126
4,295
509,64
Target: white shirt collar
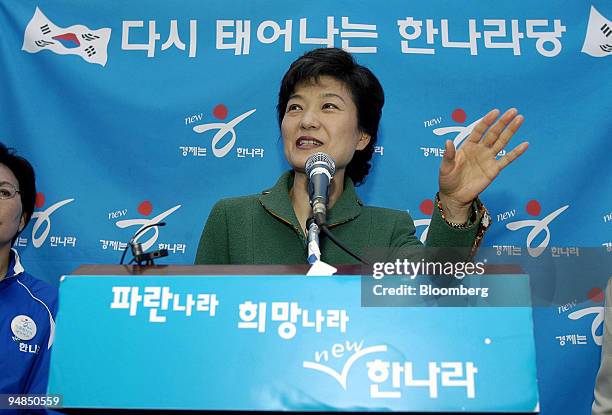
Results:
x,y
17,268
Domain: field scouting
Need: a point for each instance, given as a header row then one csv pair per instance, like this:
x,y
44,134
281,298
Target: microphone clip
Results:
x,y
142,258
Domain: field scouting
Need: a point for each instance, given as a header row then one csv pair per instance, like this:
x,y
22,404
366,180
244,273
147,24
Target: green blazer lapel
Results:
x,y
347,208
276,201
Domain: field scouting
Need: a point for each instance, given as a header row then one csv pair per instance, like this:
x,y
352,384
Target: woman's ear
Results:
x,y
363,142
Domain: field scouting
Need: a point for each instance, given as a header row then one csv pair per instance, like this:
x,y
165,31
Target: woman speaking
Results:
x,y
328,103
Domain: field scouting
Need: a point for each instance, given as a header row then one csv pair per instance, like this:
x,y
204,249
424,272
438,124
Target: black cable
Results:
x,y
328,233
123,255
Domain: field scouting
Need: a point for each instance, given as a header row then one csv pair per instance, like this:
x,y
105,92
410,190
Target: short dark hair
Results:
x,y
24,172
365,89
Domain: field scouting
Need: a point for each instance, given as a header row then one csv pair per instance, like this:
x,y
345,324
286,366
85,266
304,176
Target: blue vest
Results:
x,y
27,328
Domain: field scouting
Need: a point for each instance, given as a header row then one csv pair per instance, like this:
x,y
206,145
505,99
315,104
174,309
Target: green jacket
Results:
x,y
263,229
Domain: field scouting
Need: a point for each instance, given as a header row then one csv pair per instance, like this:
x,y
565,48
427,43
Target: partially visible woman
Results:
x,y
329,103
27,305
602,405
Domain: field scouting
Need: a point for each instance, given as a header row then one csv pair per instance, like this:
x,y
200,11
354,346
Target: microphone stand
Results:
x,y
312,230
139,256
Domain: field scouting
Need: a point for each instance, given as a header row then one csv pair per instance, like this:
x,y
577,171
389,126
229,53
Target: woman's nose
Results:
x,y
309,120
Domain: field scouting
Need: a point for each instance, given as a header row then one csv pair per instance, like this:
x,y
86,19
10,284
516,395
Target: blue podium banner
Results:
x,y
283,343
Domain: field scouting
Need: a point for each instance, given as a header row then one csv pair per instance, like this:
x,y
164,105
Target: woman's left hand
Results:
x,y
466,172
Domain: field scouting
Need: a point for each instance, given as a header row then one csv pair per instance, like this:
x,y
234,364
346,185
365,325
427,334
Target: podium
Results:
x,y
269,338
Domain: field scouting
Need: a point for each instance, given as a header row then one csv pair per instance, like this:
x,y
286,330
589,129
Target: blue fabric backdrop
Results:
x,y
135,112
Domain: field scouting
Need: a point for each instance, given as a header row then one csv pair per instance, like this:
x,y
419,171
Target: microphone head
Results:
x,y
320,160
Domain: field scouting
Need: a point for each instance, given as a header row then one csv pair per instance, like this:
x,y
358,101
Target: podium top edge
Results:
x,y
300,269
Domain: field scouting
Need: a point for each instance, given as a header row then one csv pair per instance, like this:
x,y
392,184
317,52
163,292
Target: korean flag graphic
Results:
x,y
41,34
598,40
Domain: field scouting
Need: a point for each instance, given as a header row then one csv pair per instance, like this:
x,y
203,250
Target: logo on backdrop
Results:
x,y
598,39
426,207
145,209
222,129
43,219
457,133
597,296
461,132
41,34
537,226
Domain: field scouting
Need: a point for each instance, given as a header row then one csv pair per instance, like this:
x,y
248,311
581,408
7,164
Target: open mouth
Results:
x,y
307,143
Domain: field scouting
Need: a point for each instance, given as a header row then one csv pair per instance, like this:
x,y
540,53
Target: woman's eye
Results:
x,y
293,107
329,105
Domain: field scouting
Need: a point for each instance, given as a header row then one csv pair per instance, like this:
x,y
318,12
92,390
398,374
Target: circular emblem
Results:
x,y
23,327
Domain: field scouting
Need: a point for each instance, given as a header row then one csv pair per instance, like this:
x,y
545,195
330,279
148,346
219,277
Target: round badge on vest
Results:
x,y
23,327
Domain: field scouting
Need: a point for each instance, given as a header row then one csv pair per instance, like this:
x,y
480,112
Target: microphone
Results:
x,y
320,169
